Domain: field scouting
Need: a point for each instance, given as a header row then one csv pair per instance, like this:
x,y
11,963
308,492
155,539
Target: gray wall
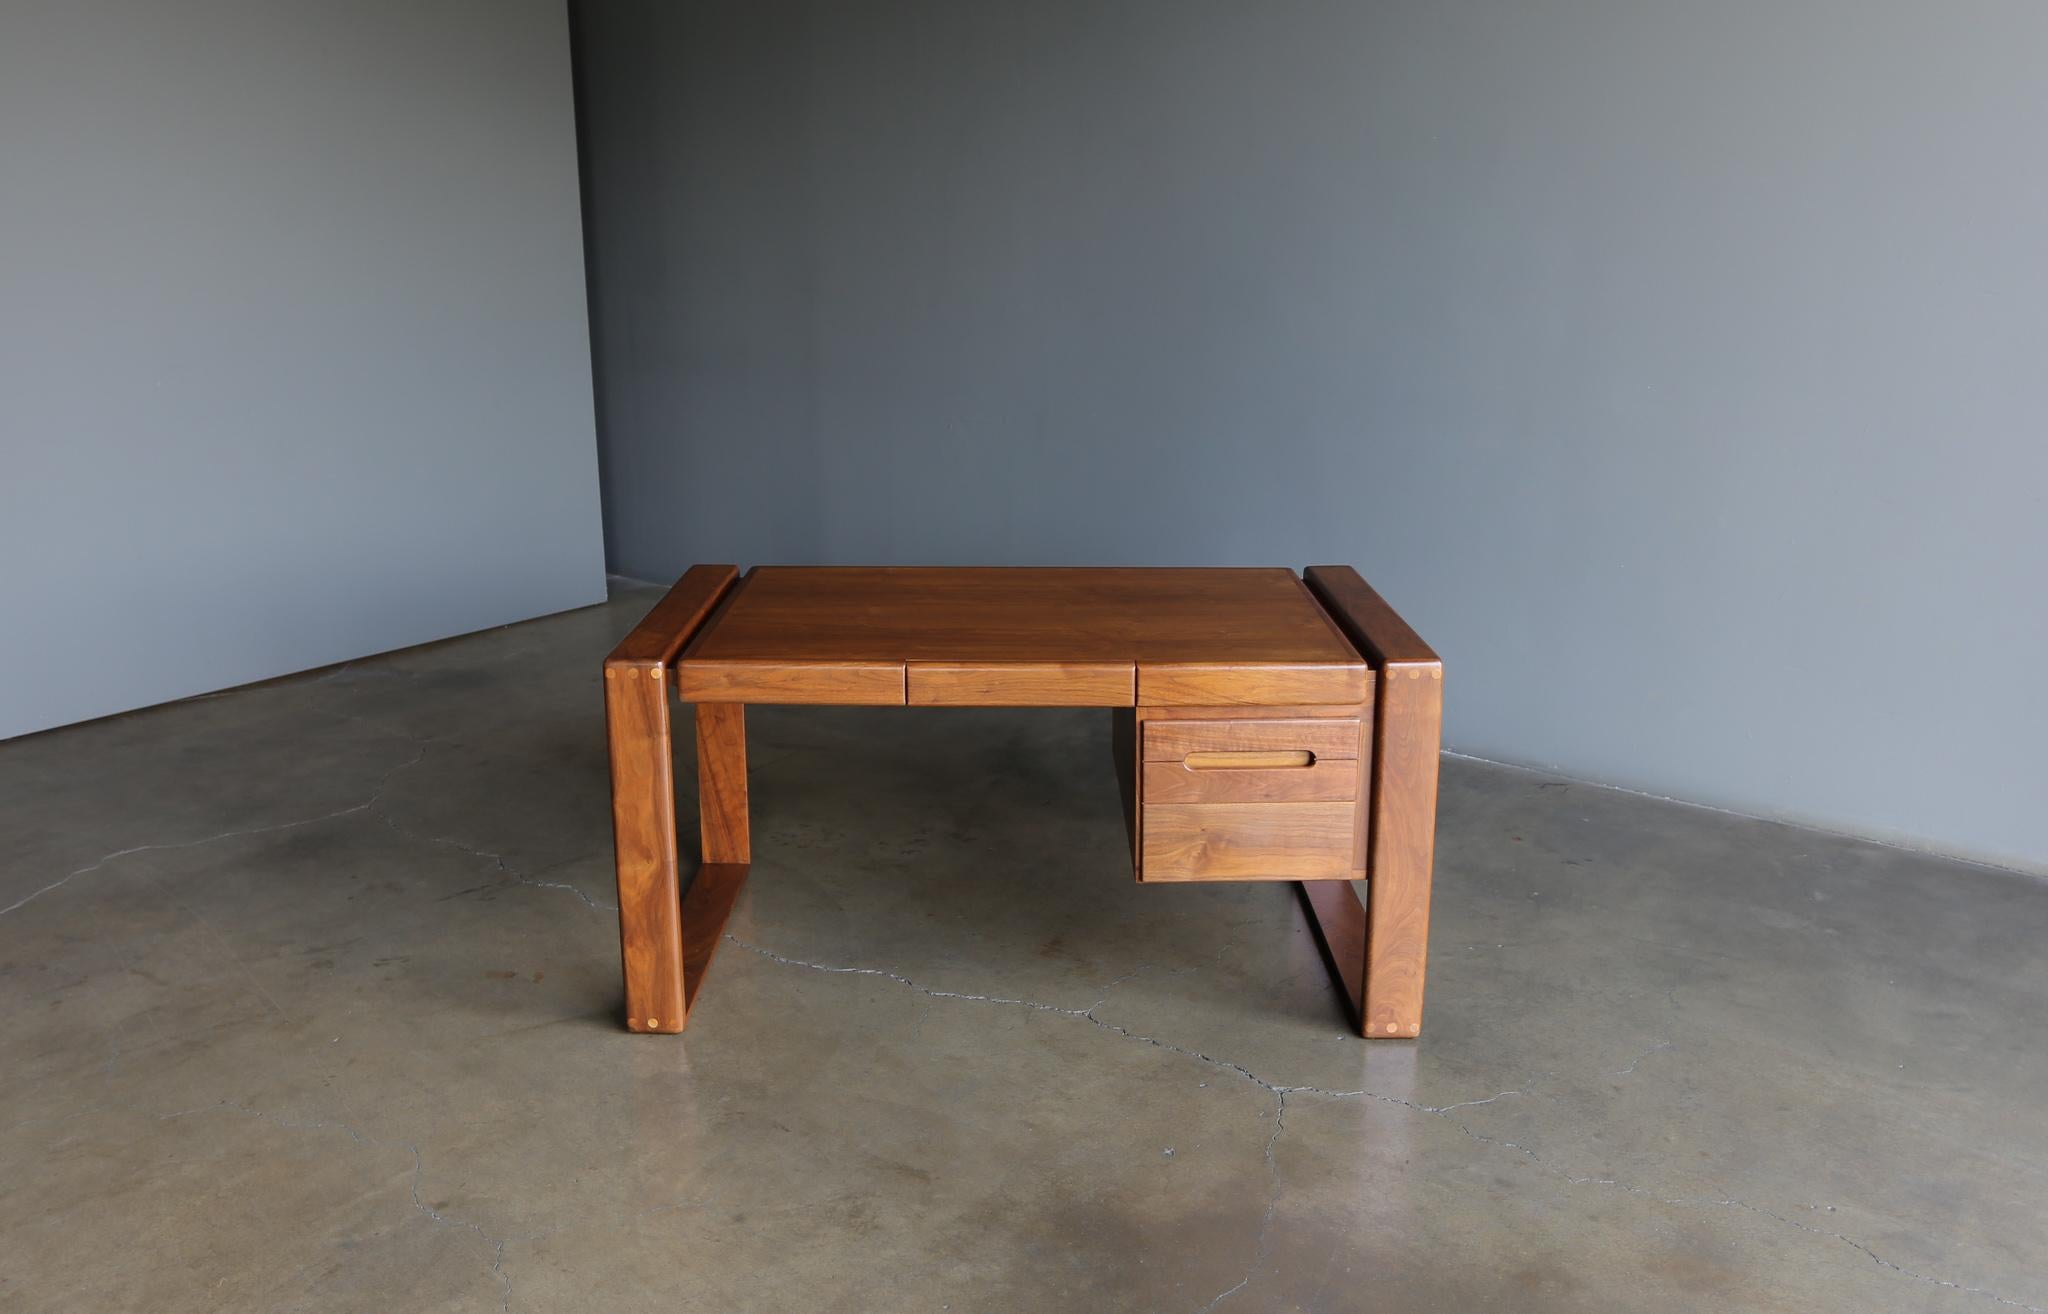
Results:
x,y
1676,367
293,353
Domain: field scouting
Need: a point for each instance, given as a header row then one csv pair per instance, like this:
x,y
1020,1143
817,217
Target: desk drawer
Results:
x,y
1247,841
1251,777
1334,737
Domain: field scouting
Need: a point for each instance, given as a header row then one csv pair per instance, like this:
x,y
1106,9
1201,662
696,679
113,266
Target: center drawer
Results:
x,y
1248,799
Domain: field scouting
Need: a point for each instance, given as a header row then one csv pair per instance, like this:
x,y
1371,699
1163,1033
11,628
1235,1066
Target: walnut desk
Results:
x,y
1269,727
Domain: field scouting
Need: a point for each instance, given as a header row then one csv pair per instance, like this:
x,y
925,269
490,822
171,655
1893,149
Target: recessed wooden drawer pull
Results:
x,y
1249,776
1268,760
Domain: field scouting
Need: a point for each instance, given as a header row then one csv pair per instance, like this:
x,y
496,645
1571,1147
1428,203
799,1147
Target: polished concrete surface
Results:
x,y
309,1000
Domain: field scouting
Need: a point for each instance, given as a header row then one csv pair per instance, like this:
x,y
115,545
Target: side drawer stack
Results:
x,y
1249,799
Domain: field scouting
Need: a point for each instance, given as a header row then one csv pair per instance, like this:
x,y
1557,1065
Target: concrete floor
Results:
x,y
309,994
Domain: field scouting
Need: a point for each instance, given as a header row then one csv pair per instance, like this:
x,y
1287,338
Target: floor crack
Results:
x,y
497,1244
1468,1104
496,859
1260,1242
370,804
98,863
1438,1111
1657,1048
1087,1014
785,960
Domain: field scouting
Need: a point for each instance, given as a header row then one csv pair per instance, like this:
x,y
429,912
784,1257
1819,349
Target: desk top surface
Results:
x,y
827,614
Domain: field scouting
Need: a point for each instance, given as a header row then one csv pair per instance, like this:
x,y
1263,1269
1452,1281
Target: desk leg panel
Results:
x,y
1402,847
644,840
713,891
722,782
1338,919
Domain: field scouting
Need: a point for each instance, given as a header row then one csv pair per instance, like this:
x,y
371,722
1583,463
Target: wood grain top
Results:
x,y
1135,615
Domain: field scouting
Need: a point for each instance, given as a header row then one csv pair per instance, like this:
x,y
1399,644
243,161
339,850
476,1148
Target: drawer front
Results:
x,y
1020,684
1247,841
1261,684
1324,737
1236,777
840,684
